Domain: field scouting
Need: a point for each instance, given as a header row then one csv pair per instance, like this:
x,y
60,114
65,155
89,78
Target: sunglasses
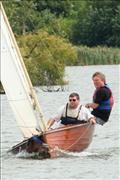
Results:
x,y
72,100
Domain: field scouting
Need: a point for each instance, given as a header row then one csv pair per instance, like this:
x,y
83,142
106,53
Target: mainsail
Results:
x,y
16,82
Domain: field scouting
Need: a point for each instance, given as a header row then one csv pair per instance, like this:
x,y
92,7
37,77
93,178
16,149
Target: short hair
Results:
x,y
75,94
100,75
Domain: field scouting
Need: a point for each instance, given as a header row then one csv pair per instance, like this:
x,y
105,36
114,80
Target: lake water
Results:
x,y
99,161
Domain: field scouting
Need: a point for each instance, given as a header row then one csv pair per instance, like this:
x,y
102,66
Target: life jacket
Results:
x,y
71,120
107,104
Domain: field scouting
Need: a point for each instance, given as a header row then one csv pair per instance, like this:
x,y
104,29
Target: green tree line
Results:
x,y
83,22
56,33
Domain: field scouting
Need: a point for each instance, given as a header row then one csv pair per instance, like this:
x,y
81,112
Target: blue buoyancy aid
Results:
x,y
106,104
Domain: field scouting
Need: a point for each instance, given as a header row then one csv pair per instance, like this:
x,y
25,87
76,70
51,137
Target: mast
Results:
x,y
32,94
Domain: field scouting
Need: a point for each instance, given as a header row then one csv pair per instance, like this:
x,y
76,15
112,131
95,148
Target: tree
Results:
x,y
100,25
46,56
114,39
56,7
22,15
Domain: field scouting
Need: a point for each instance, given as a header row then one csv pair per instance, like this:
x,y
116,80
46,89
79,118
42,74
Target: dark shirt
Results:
x,y
101,95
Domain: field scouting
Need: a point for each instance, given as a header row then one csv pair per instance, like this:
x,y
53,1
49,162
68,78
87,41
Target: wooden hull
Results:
x,y
73,138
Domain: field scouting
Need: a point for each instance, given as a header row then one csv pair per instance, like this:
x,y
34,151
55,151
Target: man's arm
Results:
x,y
50,123
92,120
92,105
101,95
56,118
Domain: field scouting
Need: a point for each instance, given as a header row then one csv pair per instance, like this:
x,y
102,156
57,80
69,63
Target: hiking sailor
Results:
x,y
102,99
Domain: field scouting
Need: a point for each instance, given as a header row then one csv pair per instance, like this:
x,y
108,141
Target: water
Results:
x,y
99,161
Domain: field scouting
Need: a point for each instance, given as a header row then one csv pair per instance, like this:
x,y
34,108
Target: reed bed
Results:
x,y
98,55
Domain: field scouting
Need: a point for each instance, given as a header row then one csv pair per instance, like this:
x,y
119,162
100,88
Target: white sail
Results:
x,y
16,82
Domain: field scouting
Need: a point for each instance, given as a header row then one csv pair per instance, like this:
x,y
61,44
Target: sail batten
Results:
x,y
16,82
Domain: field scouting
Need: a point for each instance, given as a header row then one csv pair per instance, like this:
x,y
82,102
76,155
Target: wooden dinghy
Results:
x,y
73,138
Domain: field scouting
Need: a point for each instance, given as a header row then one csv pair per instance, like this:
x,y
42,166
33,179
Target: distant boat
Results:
x,y
26,108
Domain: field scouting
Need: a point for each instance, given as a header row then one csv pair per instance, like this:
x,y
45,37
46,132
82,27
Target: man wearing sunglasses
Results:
x,y
72,113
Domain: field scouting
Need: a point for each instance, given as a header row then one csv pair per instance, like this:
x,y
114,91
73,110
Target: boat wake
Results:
x,y
77,154
54,154
103,154
26,155
58,153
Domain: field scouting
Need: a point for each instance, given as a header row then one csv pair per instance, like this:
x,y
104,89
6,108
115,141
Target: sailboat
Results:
x,y
25,105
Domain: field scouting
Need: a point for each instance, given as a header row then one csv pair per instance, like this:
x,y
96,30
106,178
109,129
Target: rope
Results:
x,y
78,138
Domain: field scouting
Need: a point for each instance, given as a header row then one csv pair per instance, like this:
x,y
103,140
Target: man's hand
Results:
x,y
50,123
92,105
92,120
87,105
